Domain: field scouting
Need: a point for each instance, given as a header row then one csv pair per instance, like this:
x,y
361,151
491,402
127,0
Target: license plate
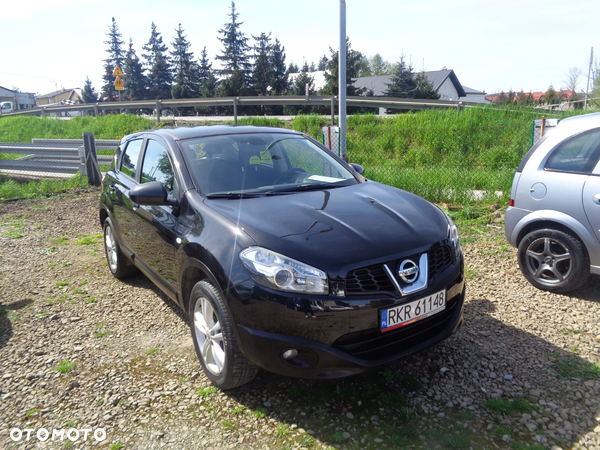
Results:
x,y
408,313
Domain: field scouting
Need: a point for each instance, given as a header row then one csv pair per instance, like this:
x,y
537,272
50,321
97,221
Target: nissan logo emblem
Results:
x,y
409,271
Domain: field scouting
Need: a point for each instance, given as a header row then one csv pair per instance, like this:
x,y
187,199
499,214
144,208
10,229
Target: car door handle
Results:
x,y
597,199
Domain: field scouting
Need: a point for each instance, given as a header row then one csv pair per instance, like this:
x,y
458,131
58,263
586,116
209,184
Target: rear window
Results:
x,y
129,160
577,154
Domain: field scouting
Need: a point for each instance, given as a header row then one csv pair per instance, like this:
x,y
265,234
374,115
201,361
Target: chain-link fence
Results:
x,y
459,165
459,159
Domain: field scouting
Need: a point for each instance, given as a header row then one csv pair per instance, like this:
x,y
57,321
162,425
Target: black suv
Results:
x,y
284,257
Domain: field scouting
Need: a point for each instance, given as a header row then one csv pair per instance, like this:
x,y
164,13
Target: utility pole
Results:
x,y
588,79
342,81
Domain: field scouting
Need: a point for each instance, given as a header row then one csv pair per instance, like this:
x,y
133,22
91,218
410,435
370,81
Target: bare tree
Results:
x,y
571,81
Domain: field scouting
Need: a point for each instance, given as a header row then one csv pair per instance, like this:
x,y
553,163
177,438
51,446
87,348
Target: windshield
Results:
x,y
257,164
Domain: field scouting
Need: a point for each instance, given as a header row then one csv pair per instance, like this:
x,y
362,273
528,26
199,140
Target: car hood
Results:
x,y
340,228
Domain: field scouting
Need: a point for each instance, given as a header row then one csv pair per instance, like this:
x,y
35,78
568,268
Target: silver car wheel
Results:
x,y
209,335
549,260
111,248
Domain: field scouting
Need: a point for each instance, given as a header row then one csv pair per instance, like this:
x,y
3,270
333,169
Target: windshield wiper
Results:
x,y
235,195
304,187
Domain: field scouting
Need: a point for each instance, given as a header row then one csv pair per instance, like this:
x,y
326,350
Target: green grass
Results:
x,y
206,391
152,352
437,154
572,368
283,429
504,406
65,366
36,189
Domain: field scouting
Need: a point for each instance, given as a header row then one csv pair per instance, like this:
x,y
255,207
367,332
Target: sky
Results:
x,y
492,46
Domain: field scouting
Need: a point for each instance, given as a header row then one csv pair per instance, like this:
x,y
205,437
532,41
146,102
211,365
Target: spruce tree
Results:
x,y
235,59
262,73
425,87
353,64
322,63
88,94
186,70
402,83
299,88
115,58
293,68
133,75
207,83
279,75
158,66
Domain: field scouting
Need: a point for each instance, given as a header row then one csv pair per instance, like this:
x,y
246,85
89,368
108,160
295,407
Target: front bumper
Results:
x,y
344,342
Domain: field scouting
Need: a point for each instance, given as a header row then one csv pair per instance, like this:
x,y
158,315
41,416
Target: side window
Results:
x,y
157,166
578,154
130,157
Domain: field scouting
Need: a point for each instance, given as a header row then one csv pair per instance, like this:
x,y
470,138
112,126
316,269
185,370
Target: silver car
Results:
x,y
554,213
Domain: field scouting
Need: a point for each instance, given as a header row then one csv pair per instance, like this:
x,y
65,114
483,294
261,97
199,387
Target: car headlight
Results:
x,y
453,236
276,271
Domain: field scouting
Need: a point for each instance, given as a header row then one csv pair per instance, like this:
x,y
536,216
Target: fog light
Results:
x,y
290,354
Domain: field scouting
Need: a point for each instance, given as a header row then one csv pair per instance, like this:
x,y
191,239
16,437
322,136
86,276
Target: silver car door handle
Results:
x,y
597,199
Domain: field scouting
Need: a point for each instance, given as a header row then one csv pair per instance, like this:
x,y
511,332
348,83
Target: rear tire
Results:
x,y
553,260
118,263
214,340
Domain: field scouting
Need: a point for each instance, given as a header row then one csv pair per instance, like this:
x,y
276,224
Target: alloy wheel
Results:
x,y
549,260
209,335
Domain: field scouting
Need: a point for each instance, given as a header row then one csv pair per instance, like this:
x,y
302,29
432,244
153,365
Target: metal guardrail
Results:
x,y
56,156
236,102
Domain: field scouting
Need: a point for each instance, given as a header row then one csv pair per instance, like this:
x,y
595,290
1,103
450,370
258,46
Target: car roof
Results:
x,y
180,133
572,125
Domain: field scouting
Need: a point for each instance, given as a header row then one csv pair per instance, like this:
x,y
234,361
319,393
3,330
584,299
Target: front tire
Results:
x,y
118,264
214,340
553,260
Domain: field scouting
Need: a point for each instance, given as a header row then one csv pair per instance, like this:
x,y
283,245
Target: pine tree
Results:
x,y
551,97
186,70
133,75
502,98
293,68
235,59
425,87
158,66
207,83
279,74
115,58
262,73
353,59
322,63
511,96
402,82
88,94
299,88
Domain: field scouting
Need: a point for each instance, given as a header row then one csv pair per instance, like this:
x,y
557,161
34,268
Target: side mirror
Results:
x,y
153,193
357,168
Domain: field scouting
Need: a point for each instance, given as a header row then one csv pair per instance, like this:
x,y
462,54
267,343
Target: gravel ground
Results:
x,y
523,372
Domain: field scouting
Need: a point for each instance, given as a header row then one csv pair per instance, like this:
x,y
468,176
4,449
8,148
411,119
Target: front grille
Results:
x,y
374,279
373,345
368,279
439,259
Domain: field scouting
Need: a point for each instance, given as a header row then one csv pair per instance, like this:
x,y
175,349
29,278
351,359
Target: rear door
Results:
x,y
125,178
591,200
